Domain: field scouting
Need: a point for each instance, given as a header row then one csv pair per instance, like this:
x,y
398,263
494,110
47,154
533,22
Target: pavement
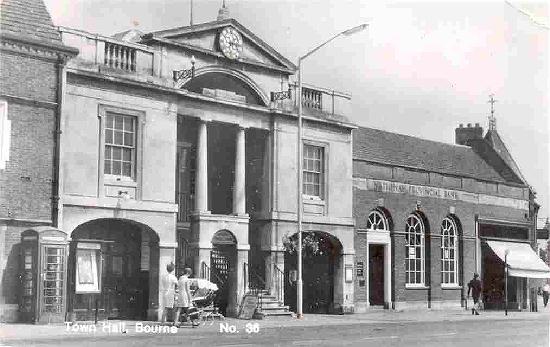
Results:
x,y
12,333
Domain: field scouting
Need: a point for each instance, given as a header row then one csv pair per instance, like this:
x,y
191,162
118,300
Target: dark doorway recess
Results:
x,y
376,275
321,256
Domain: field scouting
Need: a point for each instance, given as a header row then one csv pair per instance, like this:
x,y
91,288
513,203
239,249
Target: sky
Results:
x,y
420,68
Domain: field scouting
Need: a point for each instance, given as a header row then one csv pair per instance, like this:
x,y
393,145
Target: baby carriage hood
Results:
x,y
202,283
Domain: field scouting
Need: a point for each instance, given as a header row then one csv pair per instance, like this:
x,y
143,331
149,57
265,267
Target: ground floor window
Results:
x,y
449,252
414,251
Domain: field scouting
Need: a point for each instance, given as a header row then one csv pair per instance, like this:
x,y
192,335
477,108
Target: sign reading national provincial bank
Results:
x,y
384,186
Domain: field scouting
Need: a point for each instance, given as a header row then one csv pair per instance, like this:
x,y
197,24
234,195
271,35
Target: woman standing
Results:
x,y
169,282
184,295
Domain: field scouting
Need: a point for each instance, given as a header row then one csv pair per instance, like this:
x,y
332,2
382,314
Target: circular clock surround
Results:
x,y
230,42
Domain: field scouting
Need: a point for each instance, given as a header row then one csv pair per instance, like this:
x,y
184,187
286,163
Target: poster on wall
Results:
x,y
87,271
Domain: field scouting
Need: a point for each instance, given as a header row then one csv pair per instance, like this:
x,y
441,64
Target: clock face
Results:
x,y
231,43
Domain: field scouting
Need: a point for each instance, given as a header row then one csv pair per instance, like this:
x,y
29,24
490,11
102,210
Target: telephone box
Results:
x,y
43,275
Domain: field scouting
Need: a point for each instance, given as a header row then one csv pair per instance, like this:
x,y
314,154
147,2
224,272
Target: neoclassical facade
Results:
x,y
174,150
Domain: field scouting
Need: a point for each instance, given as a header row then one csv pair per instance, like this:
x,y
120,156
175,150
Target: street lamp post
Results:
x,y
299,284
506,282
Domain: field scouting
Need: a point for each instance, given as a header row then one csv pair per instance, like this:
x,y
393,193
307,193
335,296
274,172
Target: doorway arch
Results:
x,y
126,254
216,77
223,269
322,255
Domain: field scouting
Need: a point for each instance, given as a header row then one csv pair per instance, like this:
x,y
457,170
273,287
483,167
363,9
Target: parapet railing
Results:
x,y
102,52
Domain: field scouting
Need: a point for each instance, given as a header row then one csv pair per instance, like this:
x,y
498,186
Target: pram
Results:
x,y
203,292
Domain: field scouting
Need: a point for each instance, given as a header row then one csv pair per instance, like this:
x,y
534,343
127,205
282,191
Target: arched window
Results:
x,y
415,251
449,252
377,221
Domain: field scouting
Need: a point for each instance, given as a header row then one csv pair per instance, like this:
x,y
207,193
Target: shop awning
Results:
x,y
522,260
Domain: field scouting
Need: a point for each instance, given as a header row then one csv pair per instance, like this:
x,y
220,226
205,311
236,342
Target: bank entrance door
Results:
x,y
376,275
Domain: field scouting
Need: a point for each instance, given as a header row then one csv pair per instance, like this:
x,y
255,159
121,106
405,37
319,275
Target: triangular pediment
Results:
x,y
204,38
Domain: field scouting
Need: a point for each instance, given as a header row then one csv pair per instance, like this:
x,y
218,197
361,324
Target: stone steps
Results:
x,y
271,308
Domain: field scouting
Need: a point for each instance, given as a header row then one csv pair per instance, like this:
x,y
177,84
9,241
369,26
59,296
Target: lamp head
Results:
x,y
193,60
356,29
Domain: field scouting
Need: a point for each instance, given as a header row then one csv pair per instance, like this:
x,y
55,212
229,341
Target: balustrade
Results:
x,y
120,57
312,98
96,51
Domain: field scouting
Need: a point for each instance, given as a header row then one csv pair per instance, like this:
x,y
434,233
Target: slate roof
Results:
x,y
402,150
28,19
498,145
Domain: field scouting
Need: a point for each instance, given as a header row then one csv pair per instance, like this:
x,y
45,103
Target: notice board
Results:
x,y
248,307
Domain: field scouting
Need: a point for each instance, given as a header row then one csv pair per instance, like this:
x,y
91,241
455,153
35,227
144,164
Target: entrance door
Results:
x,y
318,279
220,263
376,275
493,279
321,254
123,285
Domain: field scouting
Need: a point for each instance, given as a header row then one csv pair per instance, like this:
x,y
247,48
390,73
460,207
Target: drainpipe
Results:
x,y
56,174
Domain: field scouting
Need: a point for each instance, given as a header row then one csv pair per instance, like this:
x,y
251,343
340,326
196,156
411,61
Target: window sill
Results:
x,y
416,287
112,181
313,200
450,286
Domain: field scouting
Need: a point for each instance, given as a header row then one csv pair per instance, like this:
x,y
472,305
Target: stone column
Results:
x,y
267,175
201,179
239,189
387,276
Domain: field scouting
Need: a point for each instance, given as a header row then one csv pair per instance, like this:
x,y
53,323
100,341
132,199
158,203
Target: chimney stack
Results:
x,y
463,135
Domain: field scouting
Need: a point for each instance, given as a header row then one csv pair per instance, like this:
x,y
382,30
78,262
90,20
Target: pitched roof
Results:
x,y
28,19
498,145
402,150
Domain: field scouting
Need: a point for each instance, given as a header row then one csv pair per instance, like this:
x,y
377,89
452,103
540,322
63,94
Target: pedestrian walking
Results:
x,y
184,297
169,283
545,293
474,286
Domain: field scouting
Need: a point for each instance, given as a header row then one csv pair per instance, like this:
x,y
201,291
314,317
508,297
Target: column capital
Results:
x,y
242,126
201,245
243,247
168,245
205,119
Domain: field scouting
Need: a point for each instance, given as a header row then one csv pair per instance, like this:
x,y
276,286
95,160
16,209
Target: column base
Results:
x,y
154,314
243,215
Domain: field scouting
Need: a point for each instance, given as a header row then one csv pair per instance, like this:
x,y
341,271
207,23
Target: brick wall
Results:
x,y
27,179
29,85
435,210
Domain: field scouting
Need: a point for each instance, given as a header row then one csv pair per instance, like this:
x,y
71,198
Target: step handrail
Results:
x,y
279,281
253,289
207,274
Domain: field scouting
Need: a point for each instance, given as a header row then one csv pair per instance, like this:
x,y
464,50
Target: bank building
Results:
x,y
180,146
